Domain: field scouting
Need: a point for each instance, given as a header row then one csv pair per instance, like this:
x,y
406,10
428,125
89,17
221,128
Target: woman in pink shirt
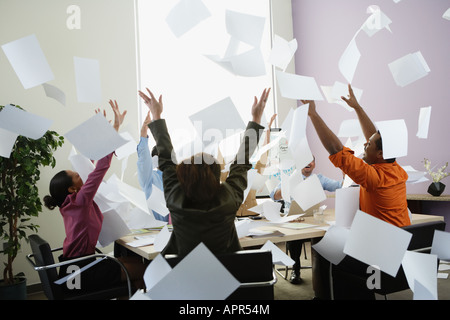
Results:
x,y
83,222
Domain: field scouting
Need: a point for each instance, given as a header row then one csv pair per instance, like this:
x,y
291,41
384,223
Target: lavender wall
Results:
x,y
324,28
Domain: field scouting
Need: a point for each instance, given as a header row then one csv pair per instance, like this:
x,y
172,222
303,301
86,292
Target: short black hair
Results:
x,y
379,144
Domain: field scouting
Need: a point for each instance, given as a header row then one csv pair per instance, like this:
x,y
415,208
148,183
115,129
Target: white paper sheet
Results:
x,y
424,122
293,86
7,141
248,64
134,195
298,142
331,246
308,192
244,27
278,256
346,205
157,202
87,80
421,268
95,138
377,243
55,93
113,227
441,245
350,128
23,123
349,61
28,61
139,219
192,277
409,69
377,21
162,239
128,148
394,134
156,270
340,89
220,120
446,14
282,52
185,15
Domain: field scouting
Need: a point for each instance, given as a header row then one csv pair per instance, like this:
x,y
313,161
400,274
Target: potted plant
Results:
x,y
436,187
19,199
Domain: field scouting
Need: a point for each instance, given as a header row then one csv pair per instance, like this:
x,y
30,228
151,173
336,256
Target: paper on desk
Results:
x,y
192,277
278,256
441,245
244,27
282,52
346,205
220,119
394,134
156,270
409,69
162,239
142,242
28,61
308,192
376,242
55,93
349,61
113,227
271,211
185,15
87,80
421,268
7,141
23,123
95,138
331,246
297,87
424,122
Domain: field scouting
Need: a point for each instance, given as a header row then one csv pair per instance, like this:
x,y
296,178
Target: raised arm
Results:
x,y
329,140
367,125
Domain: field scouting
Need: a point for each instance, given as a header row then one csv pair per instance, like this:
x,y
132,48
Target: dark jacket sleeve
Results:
x,y
165,149
237,178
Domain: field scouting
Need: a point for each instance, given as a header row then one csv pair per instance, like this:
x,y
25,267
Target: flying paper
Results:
x,y
293,86
424,122
409,69
185,15
28,61
394,136
87,80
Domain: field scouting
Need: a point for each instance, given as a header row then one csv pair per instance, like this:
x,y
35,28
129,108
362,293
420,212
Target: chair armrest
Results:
x,y
59,264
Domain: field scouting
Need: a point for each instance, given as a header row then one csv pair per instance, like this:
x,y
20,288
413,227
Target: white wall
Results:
x,y
107,34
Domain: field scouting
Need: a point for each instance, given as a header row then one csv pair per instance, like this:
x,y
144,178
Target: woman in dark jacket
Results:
x,y
203,210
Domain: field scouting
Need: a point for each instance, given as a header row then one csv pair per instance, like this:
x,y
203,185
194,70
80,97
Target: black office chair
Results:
x,y
44,264
347,280
252,268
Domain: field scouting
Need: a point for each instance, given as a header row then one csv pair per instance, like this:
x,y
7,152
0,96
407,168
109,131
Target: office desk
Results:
x,y
148,252
416,201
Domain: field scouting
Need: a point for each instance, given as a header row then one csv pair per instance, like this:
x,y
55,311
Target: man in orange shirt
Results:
x,y
382,194
382,181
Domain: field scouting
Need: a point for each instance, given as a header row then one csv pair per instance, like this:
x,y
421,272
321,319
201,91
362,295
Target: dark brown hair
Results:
x,y
59,186
199,177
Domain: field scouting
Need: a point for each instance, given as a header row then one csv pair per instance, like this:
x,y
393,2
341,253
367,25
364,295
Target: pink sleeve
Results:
x,y
95,178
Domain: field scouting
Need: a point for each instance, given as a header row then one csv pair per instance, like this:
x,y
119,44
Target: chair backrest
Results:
x,y
247,266
423,234
43,256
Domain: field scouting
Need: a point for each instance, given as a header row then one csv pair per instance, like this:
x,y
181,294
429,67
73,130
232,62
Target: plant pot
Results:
x,y
436,188
15,291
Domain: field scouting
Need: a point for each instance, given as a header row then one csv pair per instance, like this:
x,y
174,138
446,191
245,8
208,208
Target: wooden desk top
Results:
x,y
428,197
149,253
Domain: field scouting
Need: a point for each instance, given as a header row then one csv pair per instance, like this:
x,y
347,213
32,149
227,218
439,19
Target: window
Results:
x,y
177,68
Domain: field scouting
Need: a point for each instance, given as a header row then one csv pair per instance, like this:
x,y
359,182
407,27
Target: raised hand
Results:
x,y
312,106
144,127
259,105
351,100
155,106
118,117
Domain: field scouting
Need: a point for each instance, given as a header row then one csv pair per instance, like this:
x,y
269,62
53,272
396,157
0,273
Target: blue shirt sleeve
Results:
x,y
329,184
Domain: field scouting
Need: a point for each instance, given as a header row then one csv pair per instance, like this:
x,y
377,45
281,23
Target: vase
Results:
x,y
15,291
436,188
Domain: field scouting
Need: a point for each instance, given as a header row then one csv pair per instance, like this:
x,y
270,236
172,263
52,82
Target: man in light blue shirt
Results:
x,y
295,247
148,176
